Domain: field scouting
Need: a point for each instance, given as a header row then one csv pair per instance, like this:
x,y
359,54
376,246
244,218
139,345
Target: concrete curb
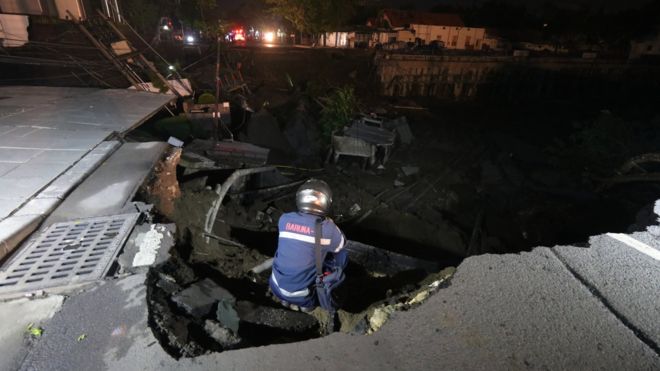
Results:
x,y
26,219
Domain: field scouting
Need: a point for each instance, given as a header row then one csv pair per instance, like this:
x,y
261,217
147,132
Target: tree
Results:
x,y
314,16
294,11
142,14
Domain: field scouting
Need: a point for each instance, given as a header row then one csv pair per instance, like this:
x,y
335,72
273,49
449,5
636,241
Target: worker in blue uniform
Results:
x,y
310,259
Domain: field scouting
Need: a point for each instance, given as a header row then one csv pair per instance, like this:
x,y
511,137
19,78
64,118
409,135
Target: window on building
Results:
x,y
454,40
649,47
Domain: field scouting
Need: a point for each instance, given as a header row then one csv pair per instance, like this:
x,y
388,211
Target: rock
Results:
x,y
147,245
379,317
398,183
226,314
200,297
275,317
354,210
167,283
222,335
410,170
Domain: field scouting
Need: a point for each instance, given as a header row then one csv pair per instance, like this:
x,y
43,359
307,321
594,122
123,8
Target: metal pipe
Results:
x,y
263,266
222,190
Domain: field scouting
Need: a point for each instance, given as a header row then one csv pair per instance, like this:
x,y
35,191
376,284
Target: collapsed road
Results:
x,y
185,279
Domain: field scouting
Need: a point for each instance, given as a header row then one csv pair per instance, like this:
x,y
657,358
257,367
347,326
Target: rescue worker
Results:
x,y
300,278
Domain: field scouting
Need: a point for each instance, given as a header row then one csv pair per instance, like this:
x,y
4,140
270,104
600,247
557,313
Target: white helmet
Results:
x,y
314,197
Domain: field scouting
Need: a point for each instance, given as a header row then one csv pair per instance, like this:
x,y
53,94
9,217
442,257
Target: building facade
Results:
x,y
647,47
424,28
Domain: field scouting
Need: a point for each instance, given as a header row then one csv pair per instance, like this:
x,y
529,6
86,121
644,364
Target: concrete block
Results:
x,y
148,244
221,334
200,297
226,313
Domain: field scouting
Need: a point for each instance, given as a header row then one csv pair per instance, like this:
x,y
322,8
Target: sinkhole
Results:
x,y
201,302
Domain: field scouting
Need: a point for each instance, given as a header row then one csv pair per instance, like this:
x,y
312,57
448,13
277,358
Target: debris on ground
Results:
x,y
165,187
147,245
410,170
222,335
381,314
35,331
200,297
280,318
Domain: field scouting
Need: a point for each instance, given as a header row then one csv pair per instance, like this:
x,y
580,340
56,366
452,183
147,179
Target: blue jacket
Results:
x,y
294,266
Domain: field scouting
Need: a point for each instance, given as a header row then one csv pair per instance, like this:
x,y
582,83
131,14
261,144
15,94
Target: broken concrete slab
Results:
x,y
148,244
200,297
167,283
191,160
65,183
225,337
113,184
44,137
226,313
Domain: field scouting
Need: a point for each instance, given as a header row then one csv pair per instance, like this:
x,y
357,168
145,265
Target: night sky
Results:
x,y
611,5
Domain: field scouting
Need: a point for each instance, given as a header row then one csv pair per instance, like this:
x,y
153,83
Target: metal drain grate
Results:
x,y
68,253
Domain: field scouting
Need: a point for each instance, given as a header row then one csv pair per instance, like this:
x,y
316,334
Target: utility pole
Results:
x,y
216,117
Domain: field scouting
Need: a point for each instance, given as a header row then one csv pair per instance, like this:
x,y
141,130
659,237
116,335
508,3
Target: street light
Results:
x,y
269,37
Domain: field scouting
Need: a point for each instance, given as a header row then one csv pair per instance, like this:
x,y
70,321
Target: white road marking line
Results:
x,y
637,245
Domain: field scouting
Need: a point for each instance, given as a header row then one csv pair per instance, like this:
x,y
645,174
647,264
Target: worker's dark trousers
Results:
x,y
333,277
335,267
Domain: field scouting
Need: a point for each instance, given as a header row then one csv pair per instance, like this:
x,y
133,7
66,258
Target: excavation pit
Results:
x,y
195,308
